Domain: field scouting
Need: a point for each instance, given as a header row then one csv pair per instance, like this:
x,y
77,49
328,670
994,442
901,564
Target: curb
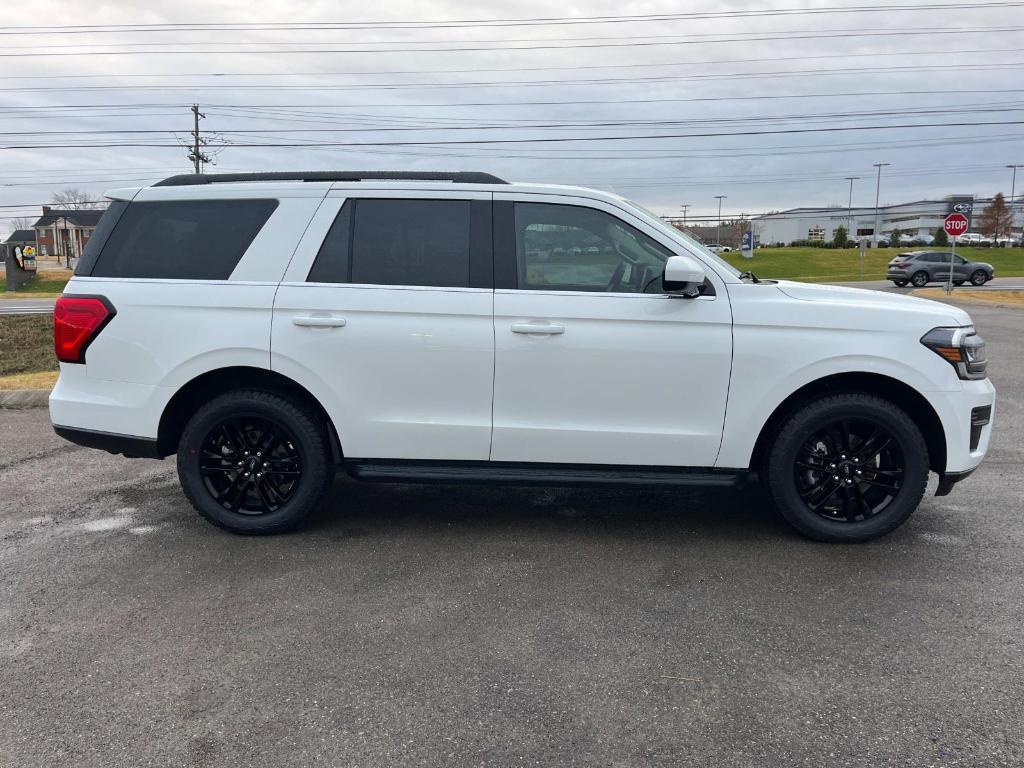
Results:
x,y
24,398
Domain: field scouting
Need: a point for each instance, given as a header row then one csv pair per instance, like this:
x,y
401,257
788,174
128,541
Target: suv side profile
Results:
x,y
922,267
269,329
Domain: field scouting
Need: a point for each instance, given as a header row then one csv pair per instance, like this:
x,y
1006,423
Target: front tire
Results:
x,y
254,462
978,277
919,279
848,468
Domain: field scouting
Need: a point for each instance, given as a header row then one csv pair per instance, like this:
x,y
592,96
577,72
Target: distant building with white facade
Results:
x,y
919,218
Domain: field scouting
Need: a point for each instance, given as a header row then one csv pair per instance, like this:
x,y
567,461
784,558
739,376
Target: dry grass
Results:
x,y
26,344
1002,298
40,380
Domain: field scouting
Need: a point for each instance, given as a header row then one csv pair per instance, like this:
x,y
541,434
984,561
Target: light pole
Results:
x,y
849,208
718,232
683,208
1013,191
878,188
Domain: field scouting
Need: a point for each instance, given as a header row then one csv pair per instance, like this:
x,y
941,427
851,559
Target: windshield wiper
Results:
x,y
749,275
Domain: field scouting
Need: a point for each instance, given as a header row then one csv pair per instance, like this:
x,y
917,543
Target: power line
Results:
x,y
477,70
846,71
546,103
537,21
549,139
758,119
559,45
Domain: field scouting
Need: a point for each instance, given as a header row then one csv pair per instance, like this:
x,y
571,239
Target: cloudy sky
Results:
x,y
769,102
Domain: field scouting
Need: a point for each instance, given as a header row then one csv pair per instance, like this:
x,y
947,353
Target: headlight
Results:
x,y
963,348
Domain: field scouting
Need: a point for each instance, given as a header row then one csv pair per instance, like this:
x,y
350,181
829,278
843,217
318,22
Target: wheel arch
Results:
x,y
898,392
187,400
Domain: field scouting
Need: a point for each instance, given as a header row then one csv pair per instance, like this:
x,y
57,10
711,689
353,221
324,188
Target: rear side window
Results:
x,y
185,240
398,242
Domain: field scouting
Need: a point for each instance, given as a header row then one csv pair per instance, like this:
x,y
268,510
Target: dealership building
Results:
x,y
919,218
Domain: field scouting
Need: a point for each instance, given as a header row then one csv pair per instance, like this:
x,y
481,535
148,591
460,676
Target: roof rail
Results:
x,y
465,177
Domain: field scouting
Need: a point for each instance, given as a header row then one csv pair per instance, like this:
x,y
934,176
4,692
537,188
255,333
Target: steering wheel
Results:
x,y
615,283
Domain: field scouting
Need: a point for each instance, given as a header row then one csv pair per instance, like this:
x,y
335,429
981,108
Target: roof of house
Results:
x,y
83,218
22,236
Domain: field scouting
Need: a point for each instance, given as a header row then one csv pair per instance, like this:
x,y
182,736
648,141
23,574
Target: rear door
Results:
x,y
594,364
385,315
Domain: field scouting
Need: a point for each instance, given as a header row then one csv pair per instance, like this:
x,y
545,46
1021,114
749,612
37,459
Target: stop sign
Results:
x,y
955,224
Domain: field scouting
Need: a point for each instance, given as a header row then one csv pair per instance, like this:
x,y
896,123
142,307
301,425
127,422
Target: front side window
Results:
x,y
572,248
397,242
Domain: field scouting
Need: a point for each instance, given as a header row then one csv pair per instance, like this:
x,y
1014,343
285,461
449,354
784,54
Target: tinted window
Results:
x,y
571,248
193,239
397,242
99,237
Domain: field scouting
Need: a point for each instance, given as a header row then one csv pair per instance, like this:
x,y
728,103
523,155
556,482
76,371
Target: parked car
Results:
x,y
976,240
270,329
716,248
922,267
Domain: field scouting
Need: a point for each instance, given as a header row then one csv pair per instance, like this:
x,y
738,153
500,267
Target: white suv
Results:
x,y
267,328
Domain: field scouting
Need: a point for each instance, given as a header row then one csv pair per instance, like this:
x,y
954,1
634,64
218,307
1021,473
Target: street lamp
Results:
x,y
849,207
878,187
718,232
1013,191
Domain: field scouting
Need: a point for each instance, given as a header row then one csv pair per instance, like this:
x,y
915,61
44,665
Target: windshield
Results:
x,y
690,240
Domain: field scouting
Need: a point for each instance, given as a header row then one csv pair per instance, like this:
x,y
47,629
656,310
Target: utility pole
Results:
x,y
878,188
683,208
195,154
849,208
1013,192
718,232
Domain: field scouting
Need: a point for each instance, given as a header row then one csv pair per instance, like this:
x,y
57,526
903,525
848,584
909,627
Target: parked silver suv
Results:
x,y
922,267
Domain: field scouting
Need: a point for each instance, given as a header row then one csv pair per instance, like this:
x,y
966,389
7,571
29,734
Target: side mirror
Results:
x,y
683,276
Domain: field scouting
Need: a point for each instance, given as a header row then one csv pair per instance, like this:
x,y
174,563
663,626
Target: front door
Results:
x,y
593,363
390,324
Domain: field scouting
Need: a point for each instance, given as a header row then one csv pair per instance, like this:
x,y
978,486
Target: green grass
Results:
x,y
819,265
45,283
26,344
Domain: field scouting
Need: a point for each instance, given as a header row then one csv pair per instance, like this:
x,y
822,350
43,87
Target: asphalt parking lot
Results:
x,y
438,625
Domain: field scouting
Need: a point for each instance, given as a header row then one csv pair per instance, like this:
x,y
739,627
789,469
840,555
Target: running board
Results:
x,y
522,473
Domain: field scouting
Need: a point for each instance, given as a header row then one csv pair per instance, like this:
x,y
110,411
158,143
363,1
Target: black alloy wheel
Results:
x,y
849,470
256,462
847,467
250,464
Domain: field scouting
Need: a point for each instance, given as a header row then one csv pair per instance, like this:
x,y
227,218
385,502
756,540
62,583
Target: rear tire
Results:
x,y
900,283
919,279
254,462
848,468
958,282
978,277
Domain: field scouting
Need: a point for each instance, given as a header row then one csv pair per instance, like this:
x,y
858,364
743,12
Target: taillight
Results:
x,y
904,264
77,320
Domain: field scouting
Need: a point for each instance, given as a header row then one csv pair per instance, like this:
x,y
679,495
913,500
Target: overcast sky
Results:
x,y
386,98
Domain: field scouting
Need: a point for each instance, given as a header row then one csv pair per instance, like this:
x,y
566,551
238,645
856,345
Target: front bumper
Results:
x,y
966,441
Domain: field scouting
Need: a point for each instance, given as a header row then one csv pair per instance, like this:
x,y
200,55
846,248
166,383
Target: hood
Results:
x,y
879,301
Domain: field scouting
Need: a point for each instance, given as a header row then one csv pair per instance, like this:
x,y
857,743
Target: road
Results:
x,y
26,306
440,625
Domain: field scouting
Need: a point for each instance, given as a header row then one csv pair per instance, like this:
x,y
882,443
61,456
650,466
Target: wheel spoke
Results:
x,y
850,505
865,508
828,490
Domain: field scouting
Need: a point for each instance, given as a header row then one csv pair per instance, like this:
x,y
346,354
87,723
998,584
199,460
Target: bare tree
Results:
x,y
21,223
75,199
997,218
